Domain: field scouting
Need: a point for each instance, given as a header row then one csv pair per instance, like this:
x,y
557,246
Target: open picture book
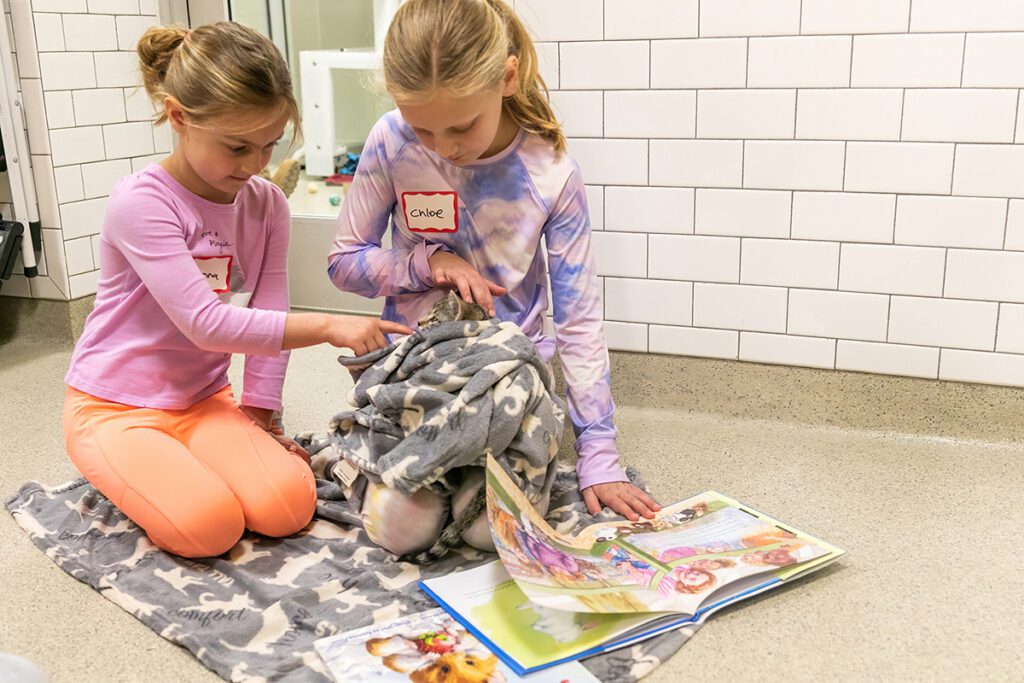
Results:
x,y
554,598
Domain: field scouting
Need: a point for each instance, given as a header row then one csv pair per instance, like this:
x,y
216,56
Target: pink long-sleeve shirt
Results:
x,y
184,283
495,213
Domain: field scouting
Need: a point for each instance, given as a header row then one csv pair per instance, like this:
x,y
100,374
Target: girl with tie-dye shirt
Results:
x,y
471,171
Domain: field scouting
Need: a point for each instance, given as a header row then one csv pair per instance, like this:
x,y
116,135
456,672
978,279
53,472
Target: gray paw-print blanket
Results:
x,y
253,614
440,400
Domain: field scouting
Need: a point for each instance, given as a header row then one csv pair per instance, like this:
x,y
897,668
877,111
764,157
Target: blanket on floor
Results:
x,y
253,614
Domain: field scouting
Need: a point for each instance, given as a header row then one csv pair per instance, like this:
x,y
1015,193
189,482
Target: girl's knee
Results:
x,y
286,508
208,528
403,524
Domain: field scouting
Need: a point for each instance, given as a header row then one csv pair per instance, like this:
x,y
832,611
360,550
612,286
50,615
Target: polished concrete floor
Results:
x,y
921,482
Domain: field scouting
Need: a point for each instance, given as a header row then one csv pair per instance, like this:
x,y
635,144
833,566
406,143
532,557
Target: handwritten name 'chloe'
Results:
x,y
426,213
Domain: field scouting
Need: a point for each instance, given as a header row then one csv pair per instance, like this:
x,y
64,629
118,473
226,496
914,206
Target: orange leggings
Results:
x,y
193,479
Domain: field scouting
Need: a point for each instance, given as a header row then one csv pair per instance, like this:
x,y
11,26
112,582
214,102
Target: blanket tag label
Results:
x,y
431,211
346,472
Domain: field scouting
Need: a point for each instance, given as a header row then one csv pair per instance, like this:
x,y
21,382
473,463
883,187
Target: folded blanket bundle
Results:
x,y
443,399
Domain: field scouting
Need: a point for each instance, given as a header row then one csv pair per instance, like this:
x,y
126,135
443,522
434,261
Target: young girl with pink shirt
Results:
x,y
193,255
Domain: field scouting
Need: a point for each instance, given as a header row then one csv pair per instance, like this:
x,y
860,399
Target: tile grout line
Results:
x,y
963,60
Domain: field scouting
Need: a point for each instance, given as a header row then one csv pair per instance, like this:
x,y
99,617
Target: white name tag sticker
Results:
x,y
431,211
217,271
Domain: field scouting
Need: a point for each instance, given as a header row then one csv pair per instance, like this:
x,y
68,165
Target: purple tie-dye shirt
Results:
x,y
494,213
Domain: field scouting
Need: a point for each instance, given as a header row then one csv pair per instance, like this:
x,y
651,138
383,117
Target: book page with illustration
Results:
x,y
677,562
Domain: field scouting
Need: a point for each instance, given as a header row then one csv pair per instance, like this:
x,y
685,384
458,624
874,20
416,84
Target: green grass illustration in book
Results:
x,y
526,636
512,617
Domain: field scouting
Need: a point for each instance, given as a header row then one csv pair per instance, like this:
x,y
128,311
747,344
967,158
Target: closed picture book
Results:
x,y
425,647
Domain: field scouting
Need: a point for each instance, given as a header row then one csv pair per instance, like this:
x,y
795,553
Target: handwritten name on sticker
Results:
x,y
216,270
431,211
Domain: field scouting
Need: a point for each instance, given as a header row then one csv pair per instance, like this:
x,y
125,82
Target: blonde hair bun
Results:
x,y
215,70
156,47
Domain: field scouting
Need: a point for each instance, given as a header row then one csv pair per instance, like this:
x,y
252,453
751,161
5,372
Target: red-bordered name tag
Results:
x,y
216,270
431,211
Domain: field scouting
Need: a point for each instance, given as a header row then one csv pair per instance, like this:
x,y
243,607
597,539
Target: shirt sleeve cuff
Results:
x,y
258,401
598,462
275,339
420,261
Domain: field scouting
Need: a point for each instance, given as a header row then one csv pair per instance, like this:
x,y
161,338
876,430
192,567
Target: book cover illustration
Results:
x,y
429,647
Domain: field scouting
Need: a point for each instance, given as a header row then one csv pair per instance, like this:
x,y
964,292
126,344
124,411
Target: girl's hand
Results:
x,y
264,419
360,334
448,270
292,446
622,497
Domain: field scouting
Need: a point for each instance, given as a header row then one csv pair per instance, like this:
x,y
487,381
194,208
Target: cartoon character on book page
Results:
x,y
570,576
536,557
429,647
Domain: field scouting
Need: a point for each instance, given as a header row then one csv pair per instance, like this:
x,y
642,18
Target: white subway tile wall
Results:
x,y
850,114
863,16
88,32
650,114
60,110
696,163
807,62
622,254
812,182
889,359
626,336
796,165
694,341
50,37
696,258
1010,333
678,19
812,352
88,125
580,111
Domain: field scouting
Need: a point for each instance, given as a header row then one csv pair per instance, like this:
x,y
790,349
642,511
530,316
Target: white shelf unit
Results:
x,y
318,89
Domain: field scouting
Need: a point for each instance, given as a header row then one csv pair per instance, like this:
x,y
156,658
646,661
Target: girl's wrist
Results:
x,y
263,417
326,327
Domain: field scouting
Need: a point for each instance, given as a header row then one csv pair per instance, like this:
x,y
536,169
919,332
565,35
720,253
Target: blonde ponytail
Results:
x,y
463,46
530,105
